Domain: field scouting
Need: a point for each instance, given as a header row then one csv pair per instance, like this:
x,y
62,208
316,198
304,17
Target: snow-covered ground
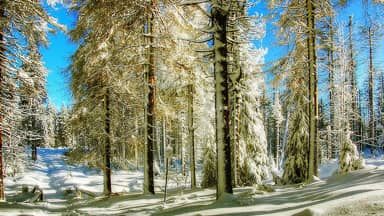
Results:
x,y
357,193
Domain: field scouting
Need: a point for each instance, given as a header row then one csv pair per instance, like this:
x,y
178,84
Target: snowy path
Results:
x,y
44,173
53,175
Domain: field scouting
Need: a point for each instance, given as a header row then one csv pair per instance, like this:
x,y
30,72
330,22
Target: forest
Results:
x,y
194,107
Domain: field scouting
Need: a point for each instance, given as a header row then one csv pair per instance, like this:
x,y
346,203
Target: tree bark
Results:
x,y
163,141
137,144
331,63
312,90
166,179
234,76
150,72
277,126
34,151
370,87
223,148
2,61
352,71
107,144
285,138
191,131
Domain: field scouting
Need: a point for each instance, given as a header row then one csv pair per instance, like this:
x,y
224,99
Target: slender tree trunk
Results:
x,y
2,196
157,145
191,131
166,179
285,138
234,144
277,125
107,144
370,88
331,80
352,71
277,144
137,144
178,139
150,72
182,155
34,151
180,145
312,90
123,155
223,147
2,61
164,141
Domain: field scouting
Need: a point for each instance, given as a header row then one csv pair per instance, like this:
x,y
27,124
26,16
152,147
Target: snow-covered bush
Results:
x,y
209,168
349,159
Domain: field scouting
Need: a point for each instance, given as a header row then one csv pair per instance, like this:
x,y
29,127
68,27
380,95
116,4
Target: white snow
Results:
x,y
328,168
356,193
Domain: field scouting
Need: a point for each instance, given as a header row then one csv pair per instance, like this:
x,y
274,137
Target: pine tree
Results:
x,y
370,32
92,78
348,155
302,146
253,161
23,22
352,77
102,72
33,96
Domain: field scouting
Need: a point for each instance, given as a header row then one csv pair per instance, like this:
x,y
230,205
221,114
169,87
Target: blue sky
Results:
x,y
57,55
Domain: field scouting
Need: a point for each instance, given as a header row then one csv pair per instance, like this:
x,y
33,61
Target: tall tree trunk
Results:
x,y
361,123
2,62
277,126
331,79
352,71
107,144
158,144
285,138
137,132
150,72
191,131
370,87
235,75
177,142
2,196
223,144
34,151
182,153
312,90
166,178
277,144
164,142
32,128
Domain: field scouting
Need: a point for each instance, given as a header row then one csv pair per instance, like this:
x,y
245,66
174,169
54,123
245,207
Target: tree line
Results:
x,y
150,76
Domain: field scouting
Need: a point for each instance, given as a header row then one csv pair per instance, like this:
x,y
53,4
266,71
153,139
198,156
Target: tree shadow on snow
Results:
x,y
316,193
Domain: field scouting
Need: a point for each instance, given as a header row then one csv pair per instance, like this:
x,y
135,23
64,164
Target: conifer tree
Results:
x,y
23,26
301,163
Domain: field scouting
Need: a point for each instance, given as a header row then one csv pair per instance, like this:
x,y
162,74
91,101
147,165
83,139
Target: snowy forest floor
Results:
x,y
357,193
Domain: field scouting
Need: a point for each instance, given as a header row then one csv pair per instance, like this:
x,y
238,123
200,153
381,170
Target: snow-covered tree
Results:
x,y
92,69
33,96
23,25
112,56
297,21
252,153
348,155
